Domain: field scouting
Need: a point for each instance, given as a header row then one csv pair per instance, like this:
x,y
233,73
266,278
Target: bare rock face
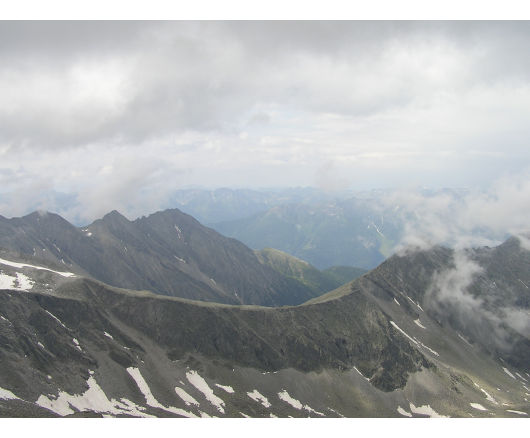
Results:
x,y
168,253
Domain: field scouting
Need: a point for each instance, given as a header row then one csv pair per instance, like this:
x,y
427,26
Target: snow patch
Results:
x,y
516,412
365,378
57,319
203,387
284,395
21,282
489,397
149,398
335,412
397,302
179,232
188,399
418,323
508,372
310,409
403,412
228,389
464,339
517,374
40,345
257,397
415,341
6,281
76,343
5,394
426,410
25,265
108,335
24,282
478,406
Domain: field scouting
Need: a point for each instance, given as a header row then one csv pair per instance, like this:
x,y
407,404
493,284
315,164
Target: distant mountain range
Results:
x,y
427,333
349,233
343,228
224,204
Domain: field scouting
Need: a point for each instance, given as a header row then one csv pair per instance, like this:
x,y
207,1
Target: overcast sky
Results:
x,y
119,114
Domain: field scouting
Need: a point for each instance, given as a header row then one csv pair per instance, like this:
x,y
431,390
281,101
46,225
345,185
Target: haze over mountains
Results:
x,y
361,229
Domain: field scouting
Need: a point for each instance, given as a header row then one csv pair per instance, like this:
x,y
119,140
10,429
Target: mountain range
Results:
x,y
406,339
324,228
168,252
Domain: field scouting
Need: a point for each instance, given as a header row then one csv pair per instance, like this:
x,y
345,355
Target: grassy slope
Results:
x,y
319,281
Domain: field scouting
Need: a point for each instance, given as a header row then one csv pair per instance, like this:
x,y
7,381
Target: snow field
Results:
x,y
199,383
149,398
8,282
94,398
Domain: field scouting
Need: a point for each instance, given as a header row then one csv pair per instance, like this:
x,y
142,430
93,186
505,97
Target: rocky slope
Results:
x,y
374,347
168,252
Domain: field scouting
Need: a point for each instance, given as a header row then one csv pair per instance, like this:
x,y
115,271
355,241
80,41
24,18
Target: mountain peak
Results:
x,y
43,215
113,216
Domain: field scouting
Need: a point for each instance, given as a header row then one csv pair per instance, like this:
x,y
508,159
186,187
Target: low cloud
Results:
x,y
450,296
463,218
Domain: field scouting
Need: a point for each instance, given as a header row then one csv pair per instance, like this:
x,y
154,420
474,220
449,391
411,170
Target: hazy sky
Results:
x,y
122,113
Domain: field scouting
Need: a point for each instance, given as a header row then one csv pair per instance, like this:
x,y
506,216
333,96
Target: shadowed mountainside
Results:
x,y
168,252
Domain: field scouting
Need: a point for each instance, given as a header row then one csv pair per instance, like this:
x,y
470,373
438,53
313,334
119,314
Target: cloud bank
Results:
x,y
464,218
256,104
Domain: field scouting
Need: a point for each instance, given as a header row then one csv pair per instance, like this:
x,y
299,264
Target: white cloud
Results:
x,y
451,288
261,104
470,218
